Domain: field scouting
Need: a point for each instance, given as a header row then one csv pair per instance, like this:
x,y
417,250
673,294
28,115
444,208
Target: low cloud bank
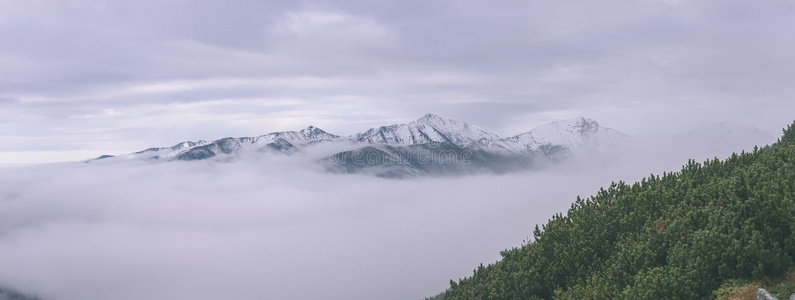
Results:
x,y
266,227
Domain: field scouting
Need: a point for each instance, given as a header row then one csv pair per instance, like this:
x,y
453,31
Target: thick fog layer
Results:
x,y
266,227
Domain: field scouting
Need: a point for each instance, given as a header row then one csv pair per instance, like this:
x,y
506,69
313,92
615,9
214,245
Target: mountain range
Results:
x,y
430,145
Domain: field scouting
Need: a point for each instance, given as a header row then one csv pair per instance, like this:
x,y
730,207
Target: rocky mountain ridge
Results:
x,y
414,148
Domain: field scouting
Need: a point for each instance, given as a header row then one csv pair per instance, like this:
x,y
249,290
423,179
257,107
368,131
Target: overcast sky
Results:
x,y
84,78
81,78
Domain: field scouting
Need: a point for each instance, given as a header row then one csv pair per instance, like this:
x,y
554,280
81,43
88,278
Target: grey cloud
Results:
x,y
495,64
8,100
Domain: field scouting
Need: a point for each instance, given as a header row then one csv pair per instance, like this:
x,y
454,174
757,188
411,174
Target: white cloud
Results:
x,y
277,227
250,229
305,22
368,63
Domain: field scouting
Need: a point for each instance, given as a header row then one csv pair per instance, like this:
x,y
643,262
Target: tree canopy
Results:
x,y
675,236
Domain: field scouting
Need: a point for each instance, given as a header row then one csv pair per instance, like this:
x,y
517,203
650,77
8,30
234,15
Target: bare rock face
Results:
x,y
762,294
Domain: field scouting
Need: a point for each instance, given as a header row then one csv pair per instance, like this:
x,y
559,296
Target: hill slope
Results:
x,y
676,236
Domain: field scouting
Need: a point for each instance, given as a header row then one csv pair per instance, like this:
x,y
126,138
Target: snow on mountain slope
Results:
x,y
424,130
578,136
157,152
554,140
285,142
310,133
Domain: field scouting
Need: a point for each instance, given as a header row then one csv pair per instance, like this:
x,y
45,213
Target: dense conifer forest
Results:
x,y
681,235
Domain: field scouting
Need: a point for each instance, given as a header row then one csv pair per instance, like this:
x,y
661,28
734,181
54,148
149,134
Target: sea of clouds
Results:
x,y
265,226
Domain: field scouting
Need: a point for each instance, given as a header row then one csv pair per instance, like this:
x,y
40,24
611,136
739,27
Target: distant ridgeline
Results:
x,y
681,235
431,145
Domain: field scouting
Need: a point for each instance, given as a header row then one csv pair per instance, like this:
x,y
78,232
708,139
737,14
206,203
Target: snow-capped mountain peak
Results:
x,y
553,141
566,131
429,116
314,133
188,144
424,130
576,135
308,134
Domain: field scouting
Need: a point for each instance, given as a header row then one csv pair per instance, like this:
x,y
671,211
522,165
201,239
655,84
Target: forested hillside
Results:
x,y
676,236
